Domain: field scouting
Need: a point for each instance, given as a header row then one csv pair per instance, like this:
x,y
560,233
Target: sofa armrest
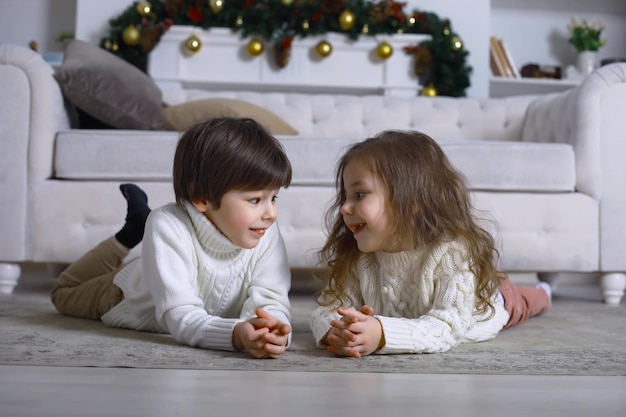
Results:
x,y
31,113
591,118
581,118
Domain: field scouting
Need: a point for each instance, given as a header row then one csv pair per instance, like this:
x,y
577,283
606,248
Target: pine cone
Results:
x,y
173,7
150,36
377,13
331,6
281,55
422,62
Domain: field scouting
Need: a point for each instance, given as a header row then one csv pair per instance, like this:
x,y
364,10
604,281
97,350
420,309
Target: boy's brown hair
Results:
x,y
224,154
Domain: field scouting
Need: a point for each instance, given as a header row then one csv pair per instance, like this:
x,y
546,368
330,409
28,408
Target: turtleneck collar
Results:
x,y
210,238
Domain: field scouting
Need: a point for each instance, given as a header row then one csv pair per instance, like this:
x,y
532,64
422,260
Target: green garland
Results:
x,y
440,62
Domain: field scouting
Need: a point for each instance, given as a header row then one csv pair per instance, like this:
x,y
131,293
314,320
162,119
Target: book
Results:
x,y
509,59
497,59
496,69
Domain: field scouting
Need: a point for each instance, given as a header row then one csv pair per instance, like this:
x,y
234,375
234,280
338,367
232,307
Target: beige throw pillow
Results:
x,y
182,116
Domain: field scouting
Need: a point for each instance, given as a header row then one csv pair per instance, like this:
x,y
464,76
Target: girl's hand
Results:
x,y
356,334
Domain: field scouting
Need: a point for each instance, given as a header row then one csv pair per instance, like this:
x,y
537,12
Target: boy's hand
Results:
x,y
265,319
356,334
263,336
249,339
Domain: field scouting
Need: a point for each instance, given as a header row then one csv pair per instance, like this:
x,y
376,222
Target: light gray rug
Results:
x,y
577,337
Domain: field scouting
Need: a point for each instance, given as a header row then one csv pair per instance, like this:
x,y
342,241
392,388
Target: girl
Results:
x,y
213,270
410,269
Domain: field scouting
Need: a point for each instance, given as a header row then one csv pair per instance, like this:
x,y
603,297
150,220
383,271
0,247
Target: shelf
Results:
x,y
504,87
575,6
536,81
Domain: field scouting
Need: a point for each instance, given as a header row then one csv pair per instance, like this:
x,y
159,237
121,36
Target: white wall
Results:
x,y
42,21
92,17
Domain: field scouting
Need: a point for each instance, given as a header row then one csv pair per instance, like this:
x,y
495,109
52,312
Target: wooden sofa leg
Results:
x,y
613,285
9,275
550,278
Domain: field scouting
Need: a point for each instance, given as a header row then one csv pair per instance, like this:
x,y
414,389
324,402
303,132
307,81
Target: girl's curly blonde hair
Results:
x,y
427,202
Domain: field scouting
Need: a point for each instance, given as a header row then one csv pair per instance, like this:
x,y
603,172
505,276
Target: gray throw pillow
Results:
x,y
109,88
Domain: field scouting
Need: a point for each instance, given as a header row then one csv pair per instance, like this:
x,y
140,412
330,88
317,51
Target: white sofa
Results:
x,y
549,169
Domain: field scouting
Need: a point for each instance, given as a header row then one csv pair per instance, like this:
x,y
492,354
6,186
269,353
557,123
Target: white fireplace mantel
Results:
x,y
224,62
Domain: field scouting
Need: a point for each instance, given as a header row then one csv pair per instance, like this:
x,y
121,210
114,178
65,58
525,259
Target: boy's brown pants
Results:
x,y
85,289
522,302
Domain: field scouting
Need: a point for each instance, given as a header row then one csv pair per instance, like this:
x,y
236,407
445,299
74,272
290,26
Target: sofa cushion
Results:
x,y
184,115
515,166
115,155
488,165
109,88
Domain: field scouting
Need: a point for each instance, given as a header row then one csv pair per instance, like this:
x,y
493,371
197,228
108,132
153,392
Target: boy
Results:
x,y
213,270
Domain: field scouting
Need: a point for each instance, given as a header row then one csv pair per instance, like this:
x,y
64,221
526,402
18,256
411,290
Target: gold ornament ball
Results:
x,y
216,5
457,43
115,47
429,91
324,49
255,47
193,44
131,35
144,8
384,50
287,2
346,20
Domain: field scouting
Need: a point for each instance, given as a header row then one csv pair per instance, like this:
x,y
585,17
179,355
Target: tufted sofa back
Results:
x,y
324,116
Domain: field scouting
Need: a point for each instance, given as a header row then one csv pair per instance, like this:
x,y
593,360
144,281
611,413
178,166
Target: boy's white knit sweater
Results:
x,y
424,298
194,283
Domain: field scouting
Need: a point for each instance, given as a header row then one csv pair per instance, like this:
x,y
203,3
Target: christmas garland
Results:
x,y
440,63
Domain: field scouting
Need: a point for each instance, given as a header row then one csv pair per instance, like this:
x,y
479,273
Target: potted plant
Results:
x,y
586,37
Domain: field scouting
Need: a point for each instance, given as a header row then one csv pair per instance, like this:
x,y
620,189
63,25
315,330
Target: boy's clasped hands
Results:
x,y
356,334
263,336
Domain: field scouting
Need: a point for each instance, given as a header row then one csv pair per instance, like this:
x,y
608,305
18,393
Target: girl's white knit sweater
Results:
x,y
194,283
424,298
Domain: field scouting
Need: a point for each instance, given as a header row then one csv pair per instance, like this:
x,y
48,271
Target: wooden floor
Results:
x,y
65,392
35,391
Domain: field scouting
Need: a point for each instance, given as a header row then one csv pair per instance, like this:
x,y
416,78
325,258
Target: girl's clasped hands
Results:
x,y
356,334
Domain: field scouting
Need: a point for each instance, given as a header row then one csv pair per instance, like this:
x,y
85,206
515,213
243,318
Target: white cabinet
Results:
x,y
536,31
224,62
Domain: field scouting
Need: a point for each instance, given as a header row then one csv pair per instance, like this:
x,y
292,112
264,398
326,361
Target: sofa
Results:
x,y
548,169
